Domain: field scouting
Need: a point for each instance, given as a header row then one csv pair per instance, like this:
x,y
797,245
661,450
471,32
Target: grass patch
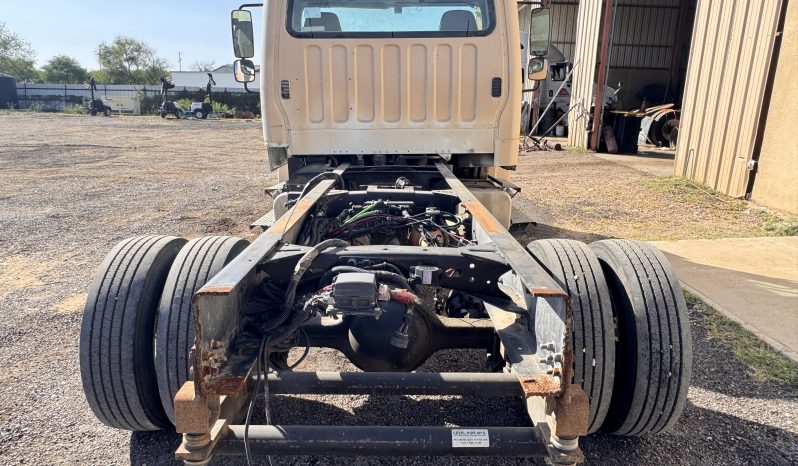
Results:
x,y
692,191
73,109
781,227
765,363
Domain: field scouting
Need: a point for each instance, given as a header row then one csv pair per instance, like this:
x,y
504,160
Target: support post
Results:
x,y
536,92
598,111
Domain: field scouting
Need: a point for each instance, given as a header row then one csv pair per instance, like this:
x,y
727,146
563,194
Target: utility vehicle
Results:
x,y
168,107
393,124
96,105
201,110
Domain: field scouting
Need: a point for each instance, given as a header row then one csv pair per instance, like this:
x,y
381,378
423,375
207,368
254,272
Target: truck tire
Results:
x,y
653,349
107,111
198,114
197,262
578,271
117,365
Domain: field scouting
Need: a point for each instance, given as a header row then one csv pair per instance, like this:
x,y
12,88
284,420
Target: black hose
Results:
x,y
386,266
313,182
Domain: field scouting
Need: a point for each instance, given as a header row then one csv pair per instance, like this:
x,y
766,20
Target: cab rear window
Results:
x,y
390,18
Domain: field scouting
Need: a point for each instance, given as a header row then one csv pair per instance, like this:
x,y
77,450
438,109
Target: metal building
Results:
x,y
646,52
726,95
729,64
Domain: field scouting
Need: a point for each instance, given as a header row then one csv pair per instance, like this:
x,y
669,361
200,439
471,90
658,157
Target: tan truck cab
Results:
x,y
377,78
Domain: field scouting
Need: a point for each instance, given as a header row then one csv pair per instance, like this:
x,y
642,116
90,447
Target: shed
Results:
x,y
729,65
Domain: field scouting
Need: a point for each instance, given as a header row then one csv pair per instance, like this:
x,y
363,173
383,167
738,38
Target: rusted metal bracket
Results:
x,y
196,417
205,421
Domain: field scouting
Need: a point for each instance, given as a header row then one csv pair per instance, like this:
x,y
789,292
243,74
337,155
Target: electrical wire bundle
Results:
x,y
278,331
372,219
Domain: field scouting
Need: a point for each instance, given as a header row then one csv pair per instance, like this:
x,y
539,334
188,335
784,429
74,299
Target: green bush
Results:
x,y
185,104
219,107
36,107
73,109
223,101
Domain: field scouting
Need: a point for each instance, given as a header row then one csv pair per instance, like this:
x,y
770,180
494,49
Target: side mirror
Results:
x,y
540,32
243,35
244,71
537,70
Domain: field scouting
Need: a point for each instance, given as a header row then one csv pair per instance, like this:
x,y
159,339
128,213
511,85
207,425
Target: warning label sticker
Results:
x,y
470,438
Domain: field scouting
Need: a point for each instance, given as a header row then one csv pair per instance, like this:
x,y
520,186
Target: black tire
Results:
x,y
197,262
177,114
107,112
578,271
117,364
204,116
93,112
198,114
163,115
654,349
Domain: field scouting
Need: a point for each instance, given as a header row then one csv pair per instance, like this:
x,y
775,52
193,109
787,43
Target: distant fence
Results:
x,y
53,97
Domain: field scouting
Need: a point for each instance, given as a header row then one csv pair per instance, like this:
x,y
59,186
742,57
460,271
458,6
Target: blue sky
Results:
x,y
200,29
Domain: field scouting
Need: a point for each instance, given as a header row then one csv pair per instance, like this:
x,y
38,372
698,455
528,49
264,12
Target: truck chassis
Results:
x,y
527,330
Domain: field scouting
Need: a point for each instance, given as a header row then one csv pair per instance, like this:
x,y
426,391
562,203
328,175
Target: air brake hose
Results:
x,y
313,182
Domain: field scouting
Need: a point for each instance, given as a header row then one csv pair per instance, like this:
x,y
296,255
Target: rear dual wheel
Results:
x,y
127,373
654,346
579,273
116,351
630,332
197,262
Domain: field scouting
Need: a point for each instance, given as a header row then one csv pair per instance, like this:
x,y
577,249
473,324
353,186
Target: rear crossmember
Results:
x,y
530,333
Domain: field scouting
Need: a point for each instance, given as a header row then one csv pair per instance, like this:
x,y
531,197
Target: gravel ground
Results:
x,y
73,186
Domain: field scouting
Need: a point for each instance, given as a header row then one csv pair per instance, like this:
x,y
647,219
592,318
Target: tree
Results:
x,y
62,69
17,57
205,66
130,61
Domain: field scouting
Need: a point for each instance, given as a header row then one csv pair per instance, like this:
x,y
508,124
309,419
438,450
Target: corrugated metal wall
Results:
x,y
587,33
645,32
731,52
647,36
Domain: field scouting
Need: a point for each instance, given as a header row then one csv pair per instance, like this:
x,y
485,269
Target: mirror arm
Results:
x,y
250,5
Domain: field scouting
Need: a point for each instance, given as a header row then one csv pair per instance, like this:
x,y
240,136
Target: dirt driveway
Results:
x,y
73,186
